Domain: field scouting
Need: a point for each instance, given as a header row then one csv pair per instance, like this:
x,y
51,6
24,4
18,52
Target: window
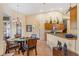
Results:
x,y
18,28
7,27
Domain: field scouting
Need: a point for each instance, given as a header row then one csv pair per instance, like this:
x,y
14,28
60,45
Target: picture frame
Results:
x,y
29,28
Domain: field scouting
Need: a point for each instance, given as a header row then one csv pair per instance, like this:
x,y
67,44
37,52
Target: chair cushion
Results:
x,y
25,46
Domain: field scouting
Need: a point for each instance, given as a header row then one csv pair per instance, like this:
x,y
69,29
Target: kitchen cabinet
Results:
x,y
52,41
49,26
73,19
73,14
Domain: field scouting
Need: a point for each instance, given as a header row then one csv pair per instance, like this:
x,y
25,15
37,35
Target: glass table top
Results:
x,y
21,39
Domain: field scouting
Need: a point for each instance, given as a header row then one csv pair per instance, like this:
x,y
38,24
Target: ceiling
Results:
x,y
35,8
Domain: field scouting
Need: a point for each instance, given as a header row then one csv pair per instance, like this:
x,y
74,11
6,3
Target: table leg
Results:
x,y
28,52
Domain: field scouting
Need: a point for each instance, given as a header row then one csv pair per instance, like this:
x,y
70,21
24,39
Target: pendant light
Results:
x,y
17,20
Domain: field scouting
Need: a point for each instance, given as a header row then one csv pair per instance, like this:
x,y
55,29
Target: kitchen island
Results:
x,y
52,40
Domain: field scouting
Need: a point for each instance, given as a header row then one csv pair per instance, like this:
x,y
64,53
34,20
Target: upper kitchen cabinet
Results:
x,y
48,26
73,14
73,19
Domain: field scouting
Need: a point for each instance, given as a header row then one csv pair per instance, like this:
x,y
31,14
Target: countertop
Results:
x,y
62,35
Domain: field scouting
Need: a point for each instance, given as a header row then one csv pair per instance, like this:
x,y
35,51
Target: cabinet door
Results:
x,y
48,26
54,41
61,26
49,40
73,19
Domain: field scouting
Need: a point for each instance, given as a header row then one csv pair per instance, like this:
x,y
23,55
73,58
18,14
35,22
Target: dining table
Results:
x,y
21,42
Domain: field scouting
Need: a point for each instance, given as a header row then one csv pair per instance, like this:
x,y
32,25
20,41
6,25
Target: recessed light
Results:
x,y
52,9
41,10
61,8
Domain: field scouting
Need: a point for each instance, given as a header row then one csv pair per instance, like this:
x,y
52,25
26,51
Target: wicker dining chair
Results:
x,y
11,46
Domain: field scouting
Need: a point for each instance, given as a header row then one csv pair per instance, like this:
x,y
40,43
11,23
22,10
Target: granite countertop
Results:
x,y
62,35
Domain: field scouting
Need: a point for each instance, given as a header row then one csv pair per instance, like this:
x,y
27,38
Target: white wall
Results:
x,y
1,23
2,43
1,28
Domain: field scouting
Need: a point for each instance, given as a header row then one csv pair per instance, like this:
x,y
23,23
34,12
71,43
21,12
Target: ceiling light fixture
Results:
x,y
41,10
18,19
61,8
52,9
